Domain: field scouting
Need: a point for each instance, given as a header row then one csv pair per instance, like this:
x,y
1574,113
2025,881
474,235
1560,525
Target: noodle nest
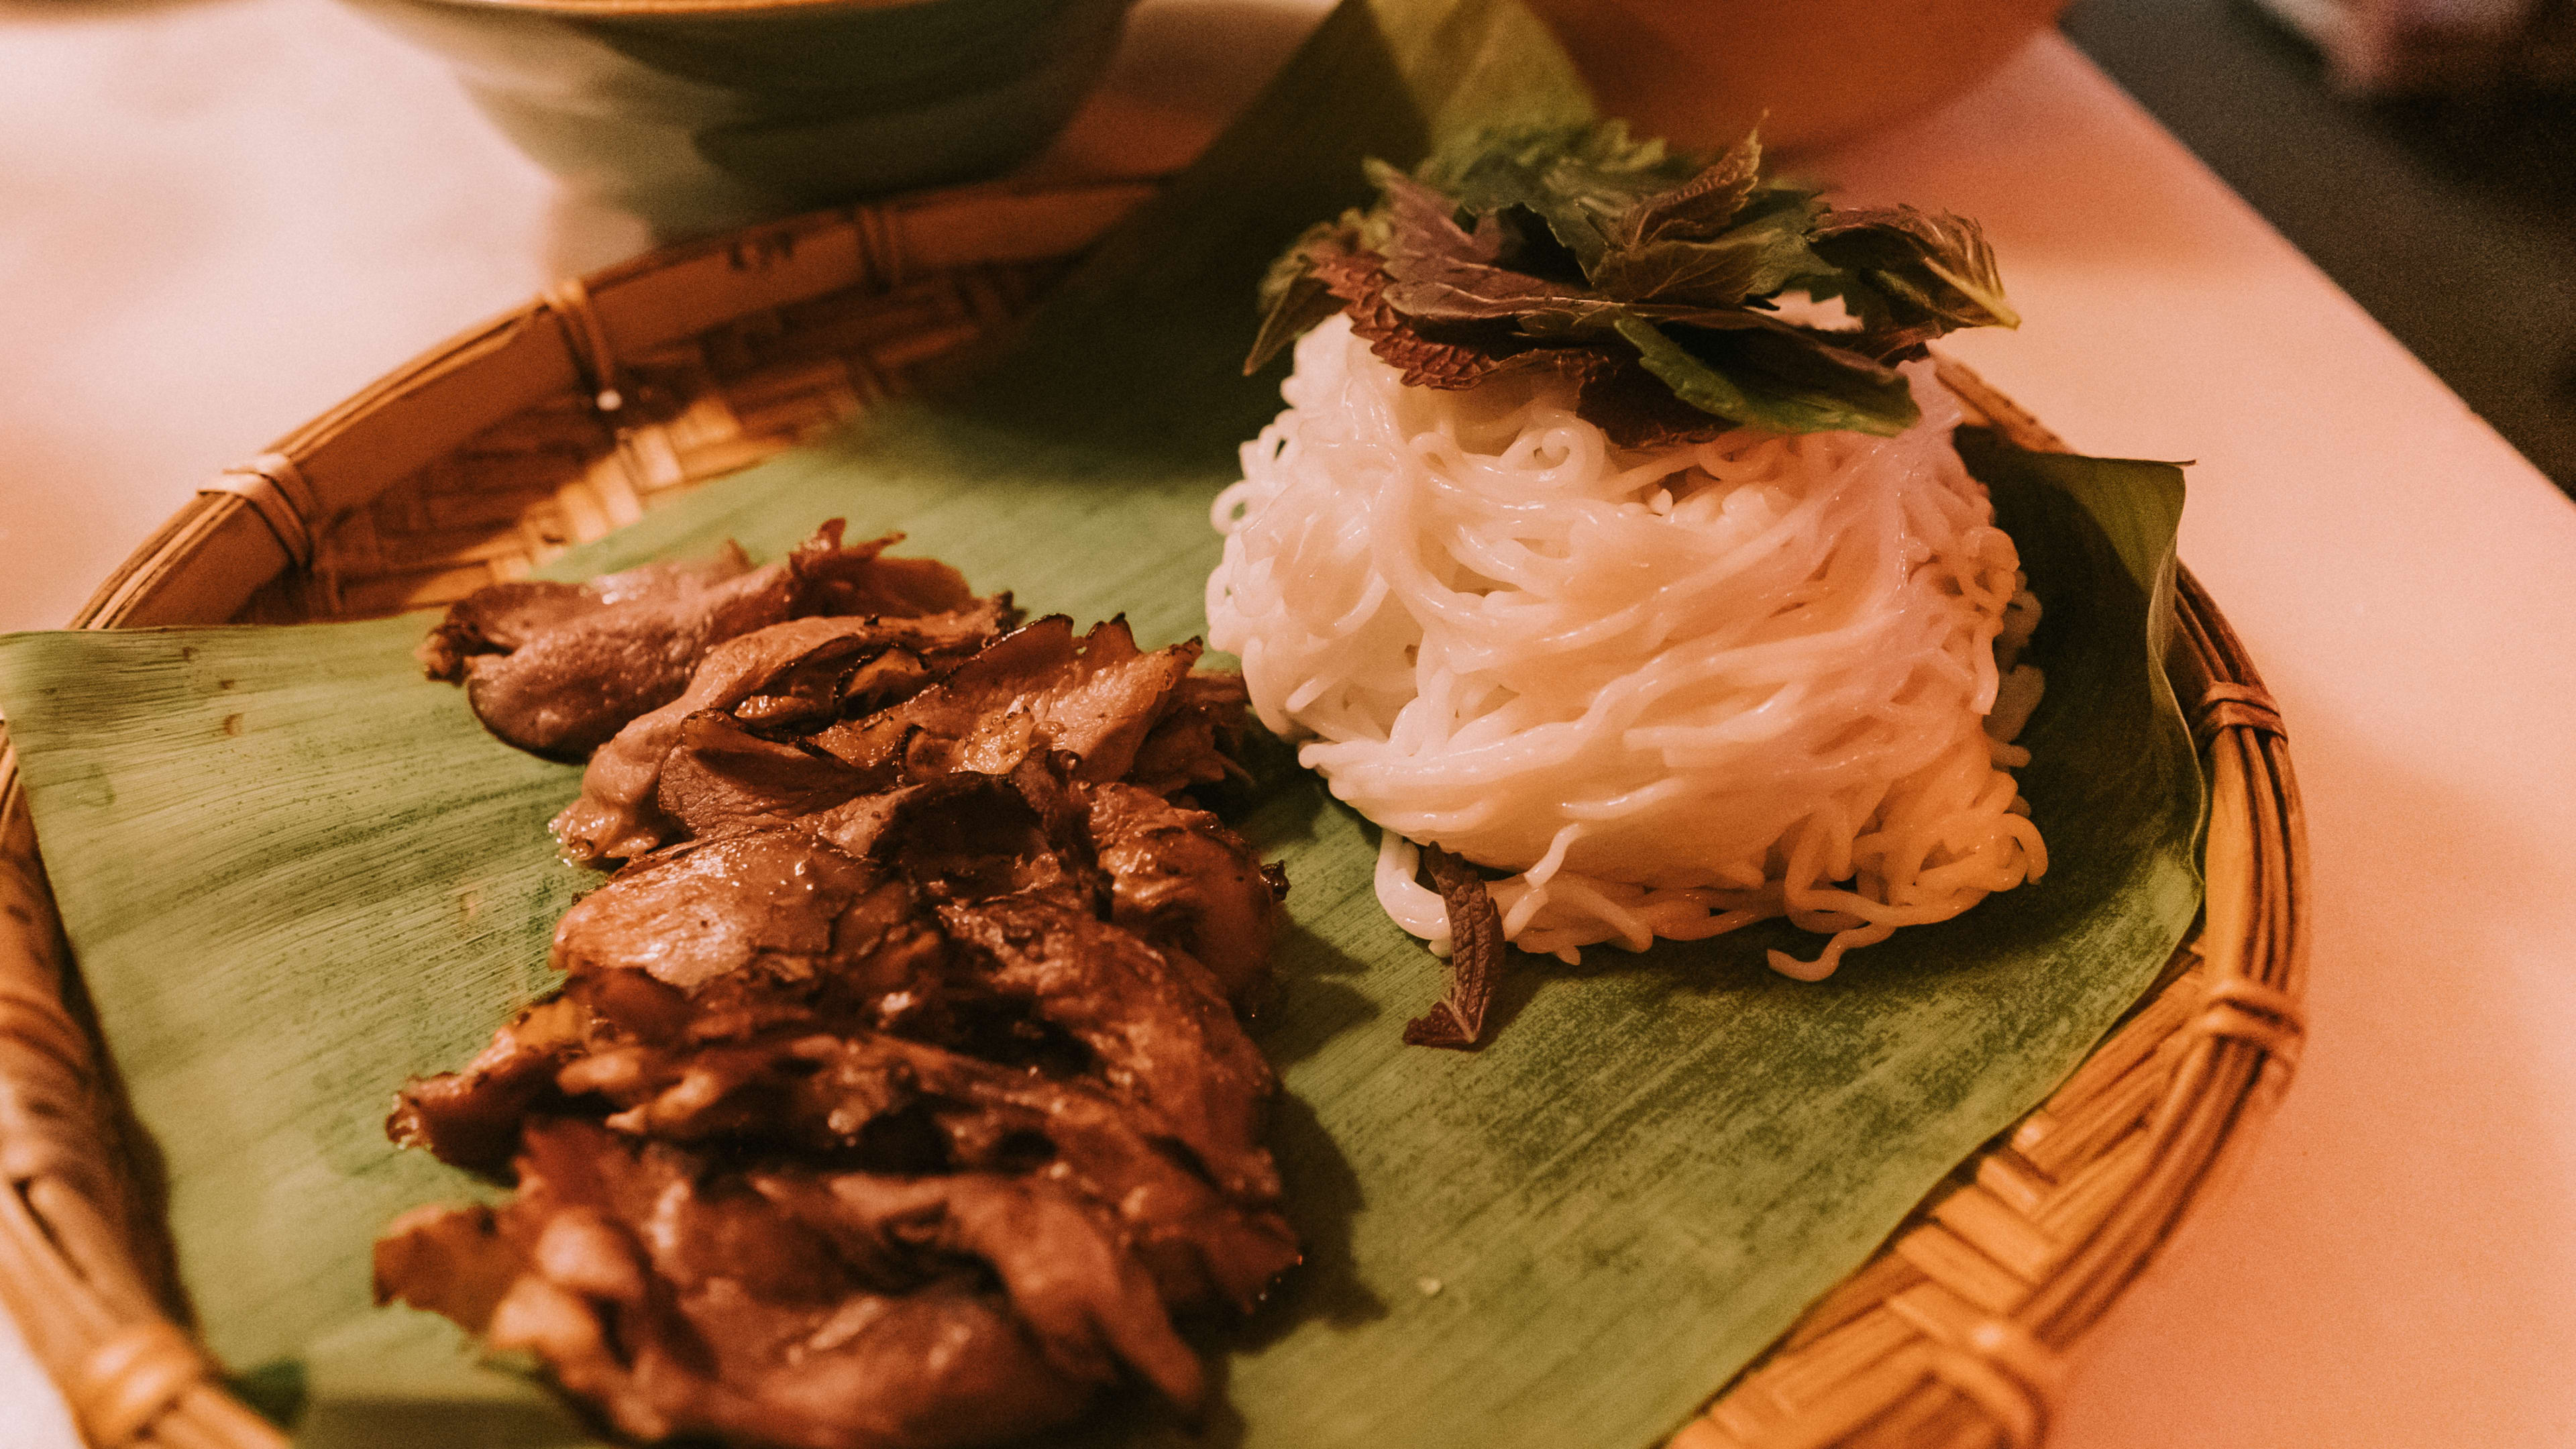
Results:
x,y
1670,691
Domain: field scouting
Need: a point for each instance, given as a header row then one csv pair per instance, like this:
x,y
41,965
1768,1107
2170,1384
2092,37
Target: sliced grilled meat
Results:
x,y
775,673
558,669
1182,881
679,1299
896,1096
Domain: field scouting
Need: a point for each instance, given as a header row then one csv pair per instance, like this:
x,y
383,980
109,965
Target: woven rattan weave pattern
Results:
x,y
581,411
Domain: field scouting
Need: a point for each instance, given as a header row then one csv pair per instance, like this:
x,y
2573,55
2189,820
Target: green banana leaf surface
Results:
x,y
296,873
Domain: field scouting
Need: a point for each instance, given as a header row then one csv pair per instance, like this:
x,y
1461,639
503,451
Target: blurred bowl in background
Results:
x,y
1701,72
699,115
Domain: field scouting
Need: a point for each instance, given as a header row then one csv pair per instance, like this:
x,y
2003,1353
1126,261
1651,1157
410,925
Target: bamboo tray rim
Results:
x,y
2218,1034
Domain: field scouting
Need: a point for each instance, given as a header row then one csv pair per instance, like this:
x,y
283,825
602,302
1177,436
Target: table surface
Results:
x,y
218,220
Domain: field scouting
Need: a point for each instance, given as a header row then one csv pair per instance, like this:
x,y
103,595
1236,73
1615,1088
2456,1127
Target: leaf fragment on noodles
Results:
x,y
1457,1019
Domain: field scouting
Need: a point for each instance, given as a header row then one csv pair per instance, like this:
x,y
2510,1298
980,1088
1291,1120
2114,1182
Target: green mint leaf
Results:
x,y
1580,180
1925,268
1293,299
1788,384
1699,208
1438,271
1764,251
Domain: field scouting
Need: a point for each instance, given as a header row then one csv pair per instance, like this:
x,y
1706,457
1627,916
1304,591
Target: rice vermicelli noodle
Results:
x,y
1673,691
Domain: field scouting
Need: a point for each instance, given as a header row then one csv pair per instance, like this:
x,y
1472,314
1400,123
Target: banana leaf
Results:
x,y
295,873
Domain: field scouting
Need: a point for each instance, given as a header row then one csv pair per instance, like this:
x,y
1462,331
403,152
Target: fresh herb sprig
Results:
x,y
1650,278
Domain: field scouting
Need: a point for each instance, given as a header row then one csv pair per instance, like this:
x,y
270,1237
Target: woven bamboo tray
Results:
x,y
588,406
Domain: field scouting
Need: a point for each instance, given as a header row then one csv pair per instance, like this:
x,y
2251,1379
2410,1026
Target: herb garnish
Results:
x,y
1457,1019
1621,265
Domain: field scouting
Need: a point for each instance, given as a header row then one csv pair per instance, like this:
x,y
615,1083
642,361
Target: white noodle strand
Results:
x,y
1677,690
